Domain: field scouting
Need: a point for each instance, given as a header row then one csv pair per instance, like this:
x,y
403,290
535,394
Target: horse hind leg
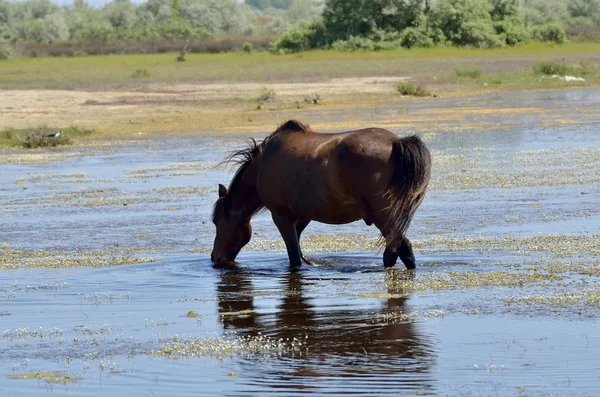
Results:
x,y
391,254
404,252
300,226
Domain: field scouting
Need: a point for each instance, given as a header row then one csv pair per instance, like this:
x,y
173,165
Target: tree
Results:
x,y
584,8
121,14
466,22
345,18
56,27
217,16
504,9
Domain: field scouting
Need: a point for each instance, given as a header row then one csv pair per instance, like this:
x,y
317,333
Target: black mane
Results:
x,y
242,158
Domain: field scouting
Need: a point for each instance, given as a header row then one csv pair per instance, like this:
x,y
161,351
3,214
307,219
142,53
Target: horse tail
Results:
x,y
407,186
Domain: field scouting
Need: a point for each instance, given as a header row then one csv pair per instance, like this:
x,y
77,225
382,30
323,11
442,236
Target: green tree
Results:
x,y
345,18
466,22
504,9
583,8
56,28
121,14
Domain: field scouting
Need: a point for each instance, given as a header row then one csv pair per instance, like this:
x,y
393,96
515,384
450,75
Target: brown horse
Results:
x,y
300,176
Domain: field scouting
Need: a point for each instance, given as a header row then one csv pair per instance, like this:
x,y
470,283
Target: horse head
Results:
x,y
233,233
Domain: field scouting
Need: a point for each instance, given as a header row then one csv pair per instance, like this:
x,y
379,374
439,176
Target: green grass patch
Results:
x,y
141,74
553,68
43,136
470,73
262,67
410,89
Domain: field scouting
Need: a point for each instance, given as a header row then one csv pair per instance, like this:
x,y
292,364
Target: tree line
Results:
x,y
297,25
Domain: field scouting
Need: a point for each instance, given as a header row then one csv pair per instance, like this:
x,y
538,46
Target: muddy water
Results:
x,y
505,301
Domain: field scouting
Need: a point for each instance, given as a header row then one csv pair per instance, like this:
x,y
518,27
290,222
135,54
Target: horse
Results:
x,y
300,176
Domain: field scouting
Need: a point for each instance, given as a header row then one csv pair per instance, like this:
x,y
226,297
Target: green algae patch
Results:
x,y
322,243
562,245
590,298
398,284
47,377
229,347
14,259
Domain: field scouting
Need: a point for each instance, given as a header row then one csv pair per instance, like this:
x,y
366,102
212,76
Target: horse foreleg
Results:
x,y
287,228
300,226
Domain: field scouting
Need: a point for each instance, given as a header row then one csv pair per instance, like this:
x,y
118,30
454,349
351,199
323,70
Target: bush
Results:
x,y
377,41
296,39
465,23
513,31
411,90
247,47
550,32
414,37
551,68
6,51
471,73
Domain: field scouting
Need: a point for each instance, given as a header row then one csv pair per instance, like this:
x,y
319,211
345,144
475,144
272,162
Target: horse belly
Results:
x,y
306,191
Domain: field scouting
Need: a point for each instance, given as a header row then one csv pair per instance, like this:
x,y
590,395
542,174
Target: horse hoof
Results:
x,y
305,260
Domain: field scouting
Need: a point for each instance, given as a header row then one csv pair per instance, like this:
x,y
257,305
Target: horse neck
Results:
x,y
244,198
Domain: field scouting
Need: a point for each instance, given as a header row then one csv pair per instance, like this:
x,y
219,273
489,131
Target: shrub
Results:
x,y
552,68
513,31
377,41
247,47
551,32
410,89
471,73
414,37
296,39
267,95
6,51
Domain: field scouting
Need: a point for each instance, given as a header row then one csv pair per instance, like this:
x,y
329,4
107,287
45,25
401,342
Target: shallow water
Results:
x,y
505,300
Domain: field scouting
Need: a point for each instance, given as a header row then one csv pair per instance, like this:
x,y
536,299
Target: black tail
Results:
x,y
407,187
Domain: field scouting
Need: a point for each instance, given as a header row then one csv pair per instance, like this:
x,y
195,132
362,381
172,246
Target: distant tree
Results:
x,y
121,14
466,22
264,4
504,9
345,18
217,16
583,8
56,28
6,12
538,12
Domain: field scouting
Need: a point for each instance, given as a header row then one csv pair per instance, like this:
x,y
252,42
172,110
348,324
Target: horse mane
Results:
x,y
292,126
244,157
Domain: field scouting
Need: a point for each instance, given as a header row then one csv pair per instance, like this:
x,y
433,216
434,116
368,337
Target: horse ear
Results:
x,y
222,191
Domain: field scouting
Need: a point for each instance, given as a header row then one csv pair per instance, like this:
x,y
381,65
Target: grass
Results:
x,y
38,137
551,68
115,70
471,73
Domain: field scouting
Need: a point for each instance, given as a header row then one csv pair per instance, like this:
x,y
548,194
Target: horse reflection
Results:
x,y
341,339
236,302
